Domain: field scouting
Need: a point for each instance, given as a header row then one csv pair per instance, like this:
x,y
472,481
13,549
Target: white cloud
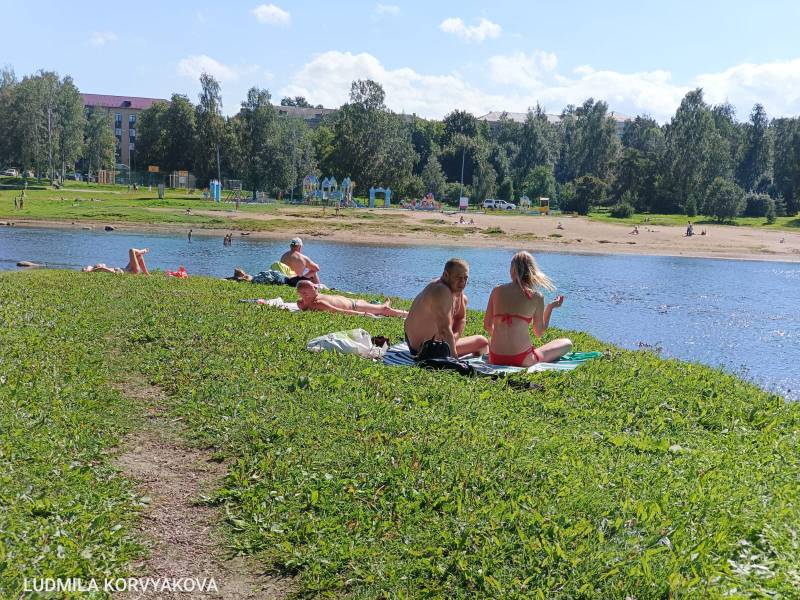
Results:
x,y
477,33
193,66
519,81
521,69
387,9
101,38
776,85
271,15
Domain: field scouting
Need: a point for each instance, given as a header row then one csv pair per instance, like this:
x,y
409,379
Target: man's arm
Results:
x,y
310,265
460,315
442,309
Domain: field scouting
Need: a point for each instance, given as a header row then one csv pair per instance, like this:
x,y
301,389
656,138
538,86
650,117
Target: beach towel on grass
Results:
x,y
275,303
399,356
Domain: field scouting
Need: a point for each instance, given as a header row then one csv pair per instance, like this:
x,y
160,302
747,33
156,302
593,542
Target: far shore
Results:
x,y
577,235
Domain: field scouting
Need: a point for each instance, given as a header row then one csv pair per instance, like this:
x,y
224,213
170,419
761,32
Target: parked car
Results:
x,y
490,203
10,173
74,176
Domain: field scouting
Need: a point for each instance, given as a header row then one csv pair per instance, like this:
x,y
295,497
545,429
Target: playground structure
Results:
x,y
544,205
387,196
328,191
426,203
524,204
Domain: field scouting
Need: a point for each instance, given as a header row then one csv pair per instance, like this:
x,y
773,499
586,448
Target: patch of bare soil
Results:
x,y
182,533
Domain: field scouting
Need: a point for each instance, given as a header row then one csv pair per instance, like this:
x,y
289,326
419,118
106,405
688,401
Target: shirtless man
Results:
x,y
311,299
299,262
440,311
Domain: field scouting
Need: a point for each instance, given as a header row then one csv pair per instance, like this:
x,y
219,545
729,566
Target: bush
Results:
x,y
589,190
756,205
623,210
770,214
724,200
506,191
690,207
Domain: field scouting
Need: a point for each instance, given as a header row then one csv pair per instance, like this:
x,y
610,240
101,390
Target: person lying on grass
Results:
x,y
440,312
134,267
513,308
311,299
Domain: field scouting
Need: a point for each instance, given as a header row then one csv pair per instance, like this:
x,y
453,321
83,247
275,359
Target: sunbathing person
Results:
x,y
134,267
302,266
440,312
311,299
515,306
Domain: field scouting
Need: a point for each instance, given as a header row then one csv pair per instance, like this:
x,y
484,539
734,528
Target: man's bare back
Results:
x,y
299,262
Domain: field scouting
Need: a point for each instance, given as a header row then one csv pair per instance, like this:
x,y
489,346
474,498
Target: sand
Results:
x,y
519,232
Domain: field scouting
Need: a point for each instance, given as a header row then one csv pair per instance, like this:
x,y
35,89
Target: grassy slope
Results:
x,y
632,476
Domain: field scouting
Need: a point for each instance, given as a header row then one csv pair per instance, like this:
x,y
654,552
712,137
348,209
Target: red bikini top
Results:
x,y
508,318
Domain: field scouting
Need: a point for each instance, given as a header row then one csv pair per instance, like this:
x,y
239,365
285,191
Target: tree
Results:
x,y
263,167
506,190
786,169
152,138
757,157
298,101
98,142
724,200
8,147
589,190
540,183
536,145
433,177
71,125
181,131
593,143
210,129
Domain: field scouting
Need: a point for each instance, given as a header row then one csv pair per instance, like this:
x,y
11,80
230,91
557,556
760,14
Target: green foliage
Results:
x,y
506,190
629,477
540,182
757,205
589,190
690,206
771,212
433,179
623,210
724,200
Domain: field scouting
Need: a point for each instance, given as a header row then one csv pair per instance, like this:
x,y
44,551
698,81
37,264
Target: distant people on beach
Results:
x,y
228,239
300,264
439,312
559,226
689,230
513,308
635,230
311,299
135,264
189,235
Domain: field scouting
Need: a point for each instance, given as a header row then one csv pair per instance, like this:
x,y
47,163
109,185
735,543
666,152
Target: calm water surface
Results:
x,y
740,315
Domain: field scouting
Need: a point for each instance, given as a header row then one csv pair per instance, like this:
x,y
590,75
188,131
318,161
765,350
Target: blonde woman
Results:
x,y
514,307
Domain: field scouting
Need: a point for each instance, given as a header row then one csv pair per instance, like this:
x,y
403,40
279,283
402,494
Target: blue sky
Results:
x,y
431,57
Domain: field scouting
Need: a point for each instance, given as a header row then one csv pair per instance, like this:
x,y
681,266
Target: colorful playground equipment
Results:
x,y
525,204
544,205
387,196
426,203
328,191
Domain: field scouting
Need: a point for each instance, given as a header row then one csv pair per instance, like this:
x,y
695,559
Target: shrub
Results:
x,y
506,191
623,210
724,200
756,205
770,214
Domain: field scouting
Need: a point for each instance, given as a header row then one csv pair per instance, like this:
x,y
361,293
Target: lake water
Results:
x,y
740,315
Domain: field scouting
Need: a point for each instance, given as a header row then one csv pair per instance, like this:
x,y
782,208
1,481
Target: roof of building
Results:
x,y
106,101
304,113
520,117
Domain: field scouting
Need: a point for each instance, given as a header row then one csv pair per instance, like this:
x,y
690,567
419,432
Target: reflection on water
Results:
x,y
740,315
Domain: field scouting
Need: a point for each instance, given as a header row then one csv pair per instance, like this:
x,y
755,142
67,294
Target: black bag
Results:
x,y
433,348
448,364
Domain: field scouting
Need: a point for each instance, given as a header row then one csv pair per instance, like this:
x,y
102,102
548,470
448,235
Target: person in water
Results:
x,y
135,264
311,299
515,306
440,312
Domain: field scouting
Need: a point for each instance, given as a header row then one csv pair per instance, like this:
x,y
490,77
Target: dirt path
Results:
x,y
183,535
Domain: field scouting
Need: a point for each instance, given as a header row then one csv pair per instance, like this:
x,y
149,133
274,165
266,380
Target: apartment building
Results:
x,y
124,111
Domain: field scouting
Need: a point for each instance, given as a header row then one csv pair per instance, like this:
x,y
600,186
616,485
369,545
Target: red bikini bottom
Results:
x,y
514,360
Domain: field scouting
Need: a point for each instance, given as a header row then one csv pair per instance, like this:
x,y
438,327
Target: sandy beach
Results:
x,y
530,232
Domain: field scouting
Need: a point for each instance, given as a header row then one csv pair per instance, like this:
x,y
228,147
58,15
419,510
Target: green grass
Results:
x,y
632,476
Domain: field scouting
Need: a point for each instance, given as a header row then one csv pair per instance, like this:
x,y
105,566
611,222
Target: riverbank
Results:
x,y
631,476
538,234
139,211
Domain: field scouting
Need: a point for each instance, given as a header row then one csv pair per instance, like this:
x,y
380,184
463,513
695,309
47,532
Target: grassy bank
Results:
x,y
632,476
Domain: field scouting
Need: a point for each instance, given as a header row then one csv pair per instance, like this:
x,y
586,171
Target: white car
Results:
x,y
10,173
498,204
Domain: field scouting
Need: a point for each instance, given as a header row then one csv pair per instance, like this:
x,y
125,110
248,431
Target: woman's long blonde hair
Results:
x,y
528,275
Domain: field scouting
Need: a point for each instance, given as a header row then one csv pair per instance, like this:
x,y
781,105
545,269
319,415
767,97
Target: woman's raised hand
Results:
x,y
558,301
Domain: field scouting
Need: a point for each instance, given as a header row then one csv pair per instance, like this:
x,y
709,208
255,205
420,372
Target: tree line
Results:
x,y
703,160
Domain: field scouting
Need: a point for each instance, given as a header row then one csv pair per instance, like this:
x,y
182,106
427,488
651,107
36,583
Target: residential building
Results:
x,y
493,118
124,111
312,116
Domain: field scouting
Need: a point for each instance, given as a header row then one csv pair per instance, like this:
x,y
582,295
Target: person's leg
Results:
x,y
554,350
133,261
472,344
140,259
